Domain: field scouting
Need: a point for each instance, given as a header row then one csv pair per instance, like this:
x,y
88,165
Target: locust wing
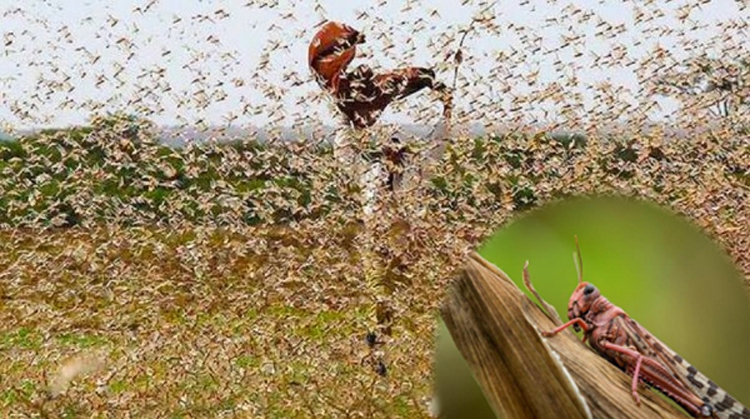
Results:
x,y
724,405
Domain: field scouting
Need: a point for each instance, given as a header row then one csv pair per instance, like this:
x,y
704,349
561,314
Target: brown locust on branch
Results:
x,y
630,347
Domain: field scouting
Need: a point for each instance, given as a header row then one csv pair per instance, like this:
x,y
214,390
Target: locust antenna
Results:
x,y
578,262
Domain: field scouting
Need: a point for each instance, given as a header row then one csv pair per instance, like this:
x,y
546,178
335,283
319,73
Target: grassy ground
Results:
x,y
203,323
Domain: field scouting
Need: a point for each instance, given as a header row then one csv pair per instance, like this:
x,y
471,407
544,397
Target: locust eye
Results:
x,y
588,289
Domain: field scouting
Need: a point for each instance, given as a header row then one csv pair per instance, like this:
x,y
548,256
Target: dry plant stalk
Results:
x,y
495,327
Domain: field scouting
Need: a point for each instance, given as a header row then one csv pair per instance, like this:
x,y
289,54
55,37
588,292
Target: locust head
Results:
x,y
584,295
581,301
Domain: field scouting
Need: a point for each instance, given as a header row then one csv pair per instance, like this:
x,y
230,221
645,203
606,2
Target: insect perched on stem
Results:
x,y
630,347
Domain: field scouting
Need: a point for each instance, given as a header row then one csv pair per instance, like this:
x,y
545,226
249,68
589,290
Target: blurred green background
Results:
x,y
663,271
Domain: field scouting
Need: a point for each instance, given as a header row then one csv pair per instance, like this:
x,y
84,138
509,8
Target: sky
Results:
x,y
240,63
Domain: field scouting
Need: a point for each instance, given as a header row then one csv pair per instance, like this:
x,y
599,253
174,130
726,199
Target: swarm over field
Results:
x,y
217,281
241,278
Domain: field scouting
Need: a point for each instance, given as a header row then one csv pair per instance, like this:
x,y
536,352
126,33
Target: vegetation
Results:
x,y
222,279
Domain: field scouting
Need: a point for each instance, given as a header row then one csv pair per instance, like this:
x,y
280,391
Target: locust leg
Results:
x,y
577,321
657,375
551,312
636,373
638,357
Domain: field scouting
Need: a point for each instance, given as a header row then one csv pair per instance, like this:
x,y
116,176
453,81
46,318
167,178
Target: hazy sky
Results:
x,y
205,61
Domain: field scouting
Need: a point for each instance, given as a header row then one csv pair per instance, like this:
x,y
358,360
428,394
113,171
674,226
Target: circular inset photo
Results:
x,y
649,292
